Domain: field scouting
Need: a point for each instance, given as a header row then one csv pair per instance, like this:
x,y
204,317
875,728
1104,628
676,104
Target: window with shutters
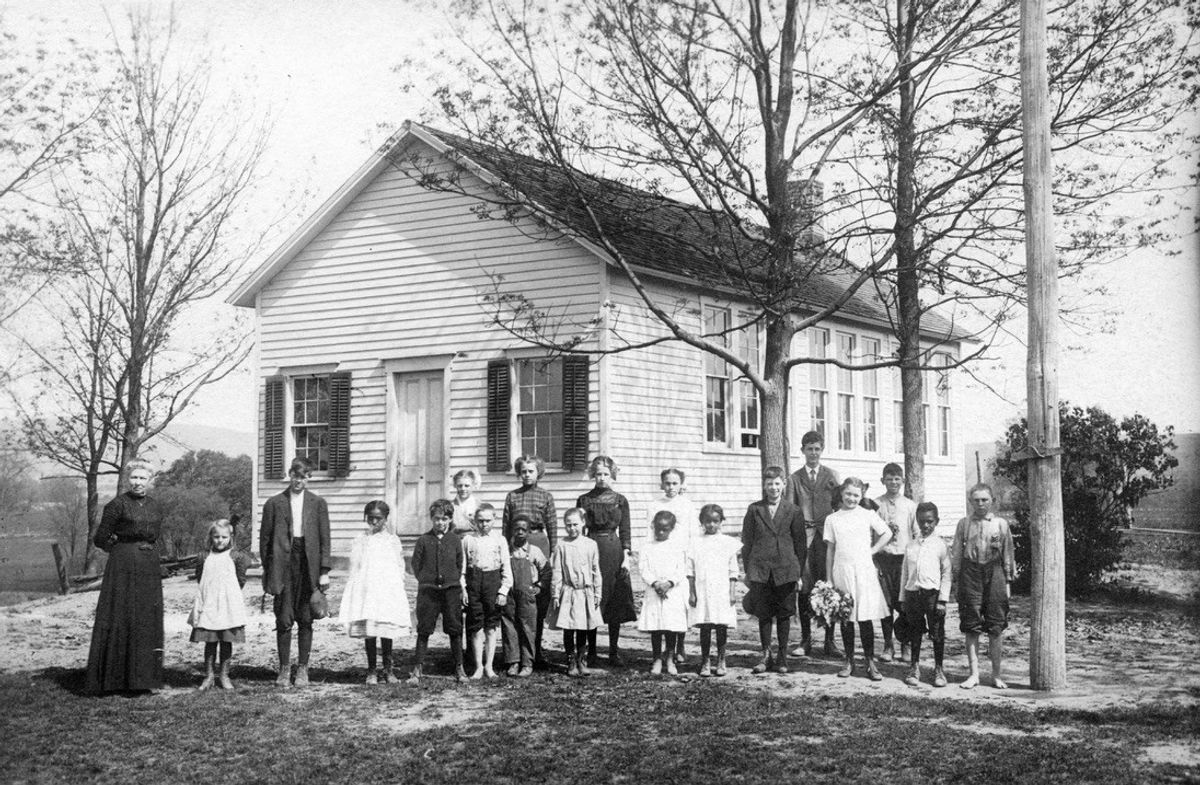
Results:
x,y
540,408
544,401
310,420
307,416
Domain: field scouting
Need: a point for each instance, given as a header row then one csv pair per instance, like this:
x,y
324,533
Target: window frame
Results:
x,y
730,399
293,426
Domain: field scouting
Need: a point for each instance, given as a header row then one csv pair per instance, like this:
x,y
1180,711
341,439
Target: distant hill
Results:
x,y
1177,507
180,438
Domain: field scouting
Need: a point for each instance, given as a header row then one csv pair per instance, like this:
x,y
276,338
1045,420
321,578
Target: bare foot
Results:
x,y
971,683
208,682
478,674
225,683
999,683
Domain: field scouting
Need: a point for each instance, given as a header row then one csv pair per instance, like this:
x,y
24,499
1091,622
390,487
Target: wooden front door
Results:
x,y
416,449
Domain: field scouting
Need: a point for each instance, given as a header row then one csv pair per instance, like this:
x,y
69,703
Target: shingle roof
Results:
x,y
670,237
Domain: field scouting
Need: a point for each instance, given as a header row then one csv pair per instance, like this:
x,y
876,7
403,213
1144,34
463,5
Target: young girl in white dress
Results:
x,y
662,563
712,570
374,604
851,569
218,616
672,481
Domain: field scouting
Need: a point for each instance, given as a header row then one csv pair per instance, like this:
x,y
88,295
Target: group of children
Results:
x,y
509,584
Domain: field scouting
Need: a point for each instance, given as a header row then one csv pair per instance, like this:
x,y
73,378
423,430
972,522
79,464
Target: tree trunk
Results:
x,y
774,448
1047,638
908,285
92,555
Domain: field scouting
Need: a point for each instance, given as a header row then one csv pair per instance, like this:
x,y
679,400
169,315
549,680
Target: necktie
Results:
x,y
812,476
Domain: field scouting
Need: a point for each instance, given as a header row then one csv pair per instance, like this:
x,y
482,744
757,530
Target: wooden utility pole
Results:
x,y
1047,644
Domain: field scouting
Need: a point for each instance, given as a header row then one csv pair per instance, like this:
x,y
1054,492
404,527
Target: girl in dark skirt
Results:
x,y
608,524
127,639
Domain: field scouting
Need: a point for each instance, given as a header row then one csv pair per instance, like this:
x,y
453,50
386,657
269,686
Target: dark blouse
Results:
x,y
129,518
607,511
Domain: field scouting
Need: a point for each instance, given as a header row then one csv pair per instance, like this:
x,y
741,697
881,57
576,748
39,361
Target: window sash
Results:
x,y
870,422
845,422
818,349
310,420
944,431
732,412
540,408
716,402
845,353
818,413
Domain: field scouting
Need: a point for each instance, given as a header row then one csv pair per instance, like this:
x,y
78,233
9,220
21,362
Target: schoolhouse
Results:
x,y
379,358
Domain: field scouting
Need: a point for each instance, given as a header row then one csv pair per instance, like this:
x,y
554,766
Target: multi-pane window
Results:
x,y
749,427
870,396
845,384
732,414
716,377
944,361
818,380
310,419
540,408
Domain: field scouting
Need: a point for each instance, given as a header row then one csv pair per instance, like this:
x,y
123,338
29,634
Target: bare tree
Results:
x,y
147,228
714,102
48,100
63,504
933,177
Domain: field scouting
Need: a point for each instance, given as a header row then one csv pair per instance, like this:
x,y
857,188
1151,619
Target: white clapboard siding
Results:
x,y
399,274
656,419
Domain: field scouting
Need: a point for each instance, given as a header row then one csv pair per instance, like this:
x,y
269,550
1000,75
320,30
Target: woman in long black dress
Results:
x,y
608,524
127,639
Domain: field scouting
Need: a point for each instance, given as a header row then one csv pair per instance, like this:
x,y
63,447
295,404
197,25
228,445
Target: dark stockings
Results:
x,y
867,630
614,638
706,640
386,645
887,625
783,629
939,650
576,641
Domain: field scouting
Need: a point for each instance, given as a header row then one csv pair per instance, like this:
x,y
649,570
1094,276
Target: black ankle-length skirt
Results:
x,y
127,639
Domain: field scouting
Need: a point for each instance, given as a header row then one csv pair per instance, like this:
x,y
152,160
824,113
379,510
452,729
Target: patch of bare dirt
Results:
x,y
1116,654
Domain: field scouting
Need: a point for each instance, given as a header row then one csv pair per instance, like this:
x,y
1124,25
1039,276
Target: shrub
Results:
x,y
1108,467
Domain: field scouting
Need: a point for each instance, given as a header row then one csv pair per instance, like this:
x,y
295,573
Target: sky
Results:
x,y
325,71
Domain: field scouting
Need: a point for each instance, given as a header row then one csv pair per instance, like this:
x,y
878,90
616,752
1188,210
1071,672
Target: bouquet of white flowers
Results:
x,y
830,606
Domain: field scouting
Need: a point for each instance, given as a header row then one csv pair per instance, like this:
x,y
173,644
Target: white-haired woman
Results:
x,y
127,639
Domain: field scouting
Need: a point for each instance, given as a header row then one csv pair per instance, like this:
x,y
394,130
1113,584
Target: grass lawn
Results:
x,y
620,727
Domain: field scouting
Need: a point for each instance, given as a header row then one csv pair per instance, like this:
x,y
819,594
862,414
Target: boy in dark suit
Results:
x,y
439,564
773,552
293,545
811,488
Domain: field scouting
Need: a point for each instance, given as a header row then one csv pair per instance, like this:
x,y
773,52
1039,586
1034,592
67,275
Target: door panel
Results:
x,y
418,464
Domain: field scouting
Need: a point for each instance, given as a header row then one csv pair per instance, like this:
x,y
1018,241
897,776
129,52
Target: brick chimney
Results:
x,y
807,197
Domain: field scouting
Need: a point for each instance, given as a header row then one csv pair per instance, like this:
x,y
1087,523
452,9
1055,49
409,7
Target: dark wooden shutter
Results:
x,y
272,433
575,412
499,415
339,424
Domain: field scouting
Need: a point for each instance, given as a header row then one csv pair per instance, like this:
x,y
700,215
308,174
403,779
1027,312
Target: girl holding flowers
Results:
x,y
850,567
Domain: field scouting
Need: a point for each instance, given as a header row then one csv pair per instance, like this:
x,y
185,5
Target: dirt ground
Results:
x,y
1138,652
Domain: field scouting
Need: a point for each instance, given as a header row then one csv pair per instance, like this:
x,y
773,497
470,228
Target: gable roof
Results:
x,y
656,235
